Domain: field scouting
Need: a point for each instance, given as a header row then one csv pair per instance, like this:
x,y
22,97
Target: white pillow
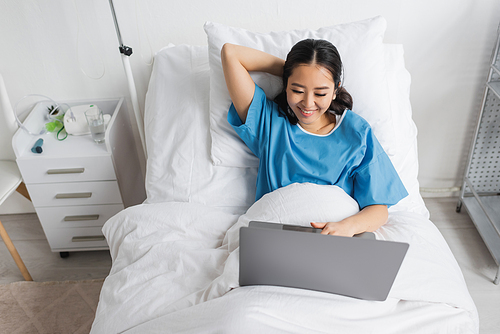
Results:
x,y
303,203
360,46
405,158
177,136
168,120
296,204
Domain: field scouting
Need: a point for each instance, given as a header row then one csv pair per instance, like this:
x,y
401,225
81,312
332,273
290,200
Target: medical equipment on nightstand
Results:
x,y
75,122
37,147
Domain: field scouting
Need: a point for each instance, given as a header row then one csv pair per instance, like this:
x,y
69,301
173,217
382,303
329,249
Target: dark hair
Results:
x,y
324,54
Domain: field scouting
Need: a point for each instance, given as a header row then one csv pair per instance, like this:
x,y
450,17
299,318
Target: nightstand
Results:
x,y
76,185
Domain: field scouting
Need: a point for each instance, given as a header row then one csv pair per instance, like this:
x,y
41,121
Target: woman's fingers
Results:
x,y
318,225
321,226
336,228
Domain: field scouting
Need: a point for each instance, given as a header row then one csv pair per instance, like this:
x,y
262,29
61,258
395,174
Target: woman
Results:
x,y
308,133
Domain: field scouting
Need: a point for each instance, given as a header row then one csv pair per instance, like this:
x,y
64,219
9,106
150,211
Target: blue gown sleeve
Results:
x,y
376,181
256,127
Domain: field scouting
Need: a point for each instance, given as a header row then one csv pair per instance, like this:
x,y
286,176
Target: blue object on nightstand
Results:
x,y
37,148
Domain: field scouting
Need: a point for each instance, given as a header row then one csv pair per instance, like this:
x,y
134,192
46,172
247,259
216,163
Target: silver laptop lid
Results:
x,y
274,254
307,229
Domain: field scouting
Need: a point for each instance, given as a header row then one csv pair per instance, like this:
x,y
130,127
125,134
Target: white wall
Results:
x,y
46,45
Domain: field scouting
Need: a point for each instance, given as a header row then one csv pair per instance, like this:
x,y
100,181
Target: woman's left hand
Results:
x,y
368,219
342,228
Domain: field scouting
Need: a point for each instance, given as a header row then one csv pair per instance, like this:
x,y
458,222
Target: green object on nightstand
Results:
x,y
56,124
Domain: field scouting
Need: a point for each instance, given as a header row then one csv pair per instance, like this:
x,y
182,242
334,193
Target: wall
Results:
x,y
62,48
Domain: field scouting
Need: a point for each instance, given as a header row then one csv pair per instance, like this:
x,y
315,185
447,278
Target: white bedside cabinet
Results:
x,y
76,185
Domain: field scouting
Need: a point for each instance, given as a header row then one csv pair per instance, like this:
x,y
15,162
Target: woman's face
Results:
x,y
310,91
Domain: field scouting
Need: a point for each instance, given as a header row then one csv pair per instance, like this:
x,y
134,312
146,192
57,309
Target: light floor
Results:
x,y
477,265
28,237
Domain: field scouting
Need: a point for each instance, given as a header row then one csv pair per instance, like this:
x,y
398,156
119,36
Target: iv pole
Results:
x,y
126,51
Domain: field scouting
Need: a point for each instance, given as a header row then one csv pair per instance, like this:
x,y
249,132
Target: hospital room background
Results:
x,y
68,50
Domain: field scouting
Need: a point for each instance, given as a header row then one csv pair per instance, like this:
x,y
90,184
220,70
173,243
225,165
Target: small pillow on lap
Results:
x,y
296,204
303,203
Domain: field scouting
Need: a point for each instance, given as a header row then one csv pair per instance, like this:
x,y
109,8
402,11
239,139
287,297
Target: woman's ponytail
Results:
x,y
342,101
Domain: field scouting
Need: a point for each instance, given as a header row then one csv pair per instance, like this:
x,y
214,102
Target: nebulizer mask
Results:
x,y
53,119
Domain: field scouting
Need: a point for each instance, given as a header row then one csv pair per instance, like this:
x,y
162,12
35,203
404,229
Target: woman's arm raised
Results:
x,y
237,62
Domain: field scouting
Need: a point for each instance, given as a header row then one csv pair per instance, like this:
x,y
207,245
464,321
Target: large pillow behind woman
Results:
x,y
361,48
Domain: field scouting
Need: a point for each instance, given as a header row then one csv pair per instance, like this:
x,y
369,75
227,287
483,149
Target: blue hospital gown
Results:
x,y
349,157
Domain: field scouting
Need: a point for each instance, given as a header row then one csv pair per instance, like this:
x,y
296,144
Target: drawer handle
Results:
x,y
73,195
81,217
88,238
66,171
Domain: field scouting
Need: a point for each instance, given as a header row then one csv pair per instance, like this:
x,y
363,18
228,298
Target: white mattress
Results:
x,y
175,257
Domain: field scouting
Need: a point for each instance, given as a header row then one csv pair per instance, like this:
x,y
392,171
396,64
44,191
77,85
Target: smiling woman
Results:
x,y
309,134
314,65
310,92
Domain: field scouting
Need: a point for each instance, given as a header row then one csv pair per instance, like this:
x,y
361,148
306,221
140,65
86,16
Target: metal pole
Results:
x,y
126,52
117,28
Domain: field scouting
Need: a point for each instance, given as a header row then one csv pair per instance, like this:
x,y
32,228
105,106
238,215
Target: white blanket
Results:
x,y
175,271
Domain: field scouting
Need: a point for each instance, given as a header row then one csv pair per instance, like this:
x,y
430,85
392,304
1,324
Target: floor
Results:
x,y
477,265
28,237
49,307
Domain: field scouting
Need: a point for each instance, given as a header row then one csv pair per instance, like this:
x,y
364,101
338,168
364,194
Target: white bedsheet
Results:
x,y
174,266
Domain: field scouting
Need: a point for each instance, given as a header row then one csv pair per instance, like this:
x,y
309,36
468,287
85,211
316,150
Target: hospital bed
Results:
x,y
175,257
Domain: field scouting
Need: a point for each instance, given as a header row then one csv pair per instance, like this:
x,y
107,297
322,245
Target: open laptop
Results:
x,y
301,257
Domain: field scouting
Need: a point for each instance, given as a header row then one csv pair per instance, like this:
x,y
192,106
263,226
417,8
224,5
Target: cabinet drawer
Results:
x,y
77,216
48,170
77,193
75,238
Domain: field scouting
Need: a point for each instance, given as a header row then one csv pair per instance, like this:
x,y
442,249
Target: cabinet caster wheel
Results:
x,y
459,207
63,254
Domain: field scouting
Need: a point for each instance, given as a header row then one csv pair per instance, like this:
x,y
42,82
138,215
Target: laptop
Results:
x,y
301,257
